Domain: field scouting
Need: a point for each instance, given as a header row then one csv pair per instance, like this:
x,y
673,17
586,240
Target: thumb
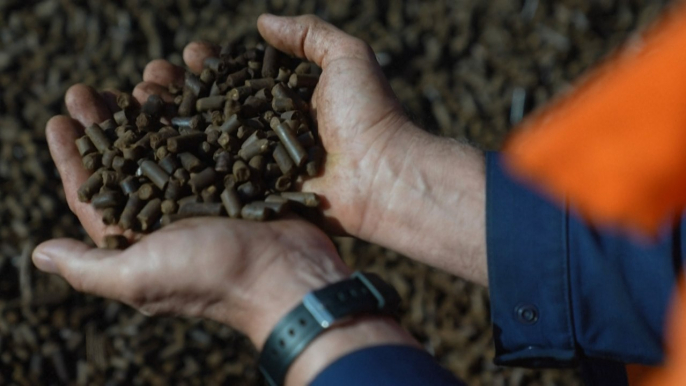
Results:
x,y
312,38
87,269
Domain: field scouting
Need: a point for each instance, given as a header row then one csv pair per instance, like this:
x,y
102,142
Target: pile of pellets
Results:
x,y
235,142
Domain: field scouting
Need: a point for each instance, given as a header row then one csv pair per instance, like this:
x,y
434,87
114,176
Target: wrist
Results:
x,y
429,203
359,333
282,287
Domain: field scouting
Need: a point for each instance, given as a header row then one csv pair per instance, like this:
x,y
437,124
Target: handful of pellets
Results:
x,y
234,143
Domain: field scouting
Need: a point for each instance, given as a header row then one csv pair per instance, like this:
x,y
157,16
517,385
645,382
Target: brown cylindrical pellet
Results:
x,y
92,161
281,105
210,103
147,191
256,147
248,190
187,105
131,209
306,139
264,94
291,144
110,178
121,117
275,198
153,107
144,122
192,198
223,162
123,165
201,180
195,85
231,107
192,123
237,78
256,84
256,212
230,125
108,156
207,77
254,65
210,194
230,181
169,207
169,164
282,183
212,135
257,164
91,186
174,190
270,62
303,68
239,93
241,171
256,103
314,160
124,101
305,198
201,208
283,75
217,65
133,152
106,199
216,117
98,137
108,125
150,213
303,80
110,216
283,159
115,242
190,162
161,152
185,142
232,203
155,173
85,146
144,141
160,138
278,208
182,175
129,185
294,115
126,138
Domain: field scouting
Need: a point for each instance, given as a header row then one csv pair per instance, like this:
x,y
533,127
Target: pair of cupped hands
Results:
x,y
242,273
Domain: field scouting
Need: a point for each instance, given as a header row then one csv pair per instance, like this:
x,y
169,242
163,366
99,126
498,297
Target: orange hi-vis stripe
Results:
x,y
616,145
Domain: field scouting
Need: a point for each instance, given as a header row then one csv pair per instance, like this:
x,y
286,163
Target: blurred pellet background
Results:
x,y
466,69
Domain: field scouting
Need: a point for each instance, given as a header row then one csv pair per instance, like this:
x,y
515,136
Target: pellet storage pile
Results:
x,y
467,69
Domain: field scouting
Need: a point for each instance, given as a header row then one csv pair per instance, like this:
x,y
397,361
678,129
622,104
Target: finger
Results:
x,y
110,99
87,269
143,90
163,73
195,53
61,132
86,105
311,38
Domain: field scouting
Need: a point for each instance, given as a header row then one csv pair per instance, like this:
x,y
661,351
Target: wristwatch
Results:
x,y
362,293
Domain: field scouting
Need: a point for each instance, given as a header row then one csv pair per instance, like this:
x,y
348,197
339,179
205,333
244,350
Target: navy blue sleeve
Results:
x,y
562,290
388,365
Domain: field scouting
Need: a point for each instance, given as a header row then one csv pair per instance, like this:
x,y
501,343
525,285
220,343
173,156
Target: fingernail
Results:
x,y
44,262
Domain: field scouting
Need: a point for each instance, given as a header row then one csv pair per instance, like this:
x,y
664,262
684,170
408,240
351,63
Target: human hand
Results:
x,y
215,268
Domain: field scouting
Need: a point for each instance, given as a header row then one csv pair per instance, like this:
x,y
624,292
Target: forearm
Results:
x,y
429,203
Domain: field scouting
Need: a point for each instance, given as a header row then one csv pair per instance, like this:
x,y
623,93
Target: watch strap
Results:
x,y
360,294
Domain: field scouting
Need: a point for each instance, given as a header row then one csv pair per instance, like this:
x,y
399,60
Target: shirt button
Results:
x,y
526,313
